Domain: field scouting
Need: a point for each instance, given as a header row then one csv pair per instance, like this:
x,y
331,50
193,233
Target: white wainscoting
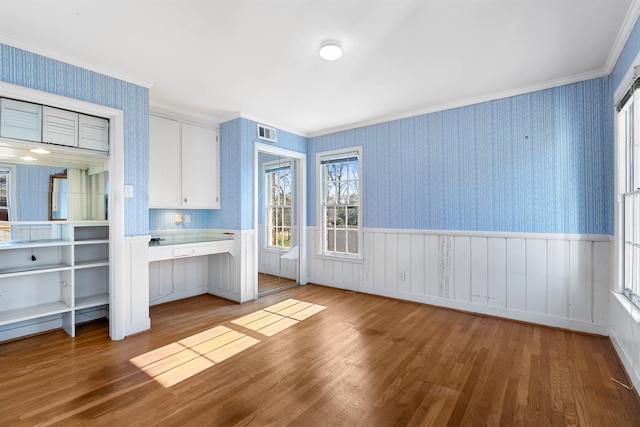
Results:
x,y
233,276
556,280
625,334
136,286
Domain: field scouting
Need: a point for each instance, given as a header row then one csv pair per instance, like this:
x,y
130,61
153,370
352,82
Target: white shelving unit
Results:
x,y
53,275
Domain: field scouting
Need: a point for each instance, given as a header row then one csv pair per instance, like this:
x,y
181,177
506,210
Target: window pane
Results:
x,y
330,216
352,216
331,198
329,240
353,245
286,217
354,196
286,237
341,241
341,217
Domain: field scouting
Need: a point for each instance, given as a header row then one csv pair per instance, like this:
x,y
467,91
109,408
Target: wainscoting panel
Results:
x,y
556,279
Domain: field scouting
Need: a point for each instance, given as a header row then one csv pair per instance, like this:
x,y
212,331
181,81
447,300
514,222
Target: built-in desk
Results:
x,y
175,245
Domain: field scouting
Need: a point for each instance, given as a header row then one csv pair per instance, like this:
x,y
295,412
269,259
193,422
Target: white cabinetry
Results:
x,y
184,170
59,126
93,133
165,168
20,120
55,279
40,123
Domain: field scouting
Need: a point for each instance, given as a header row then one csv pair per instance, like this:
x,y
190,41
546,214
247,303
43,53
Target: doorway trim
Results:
x,y
301,211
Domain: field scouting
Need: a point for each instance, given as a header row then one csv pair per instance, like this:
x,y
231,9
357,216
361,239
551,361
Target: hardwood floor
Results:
x,y
362,360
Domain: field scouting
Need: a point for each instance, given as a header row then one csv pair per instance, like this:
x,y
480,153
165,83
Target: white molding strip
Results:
x,y
623,35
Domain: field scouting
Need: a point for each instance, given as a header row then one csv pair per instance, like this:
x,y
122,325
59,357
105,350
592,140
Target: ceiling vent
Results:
x,y
267,133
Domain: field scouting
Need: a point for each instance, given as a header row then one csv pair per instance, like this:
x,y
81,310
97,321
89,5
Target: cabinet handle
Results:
x,y
185,200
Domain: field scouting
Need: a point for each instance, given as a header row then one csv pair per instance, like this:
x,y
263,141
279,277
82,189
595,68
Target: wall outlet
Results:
x,y
402,277
187,218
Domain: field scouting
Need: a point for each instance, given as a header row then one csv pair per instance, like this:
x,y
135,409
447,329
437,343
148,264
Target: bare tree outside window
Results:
x,y
340,205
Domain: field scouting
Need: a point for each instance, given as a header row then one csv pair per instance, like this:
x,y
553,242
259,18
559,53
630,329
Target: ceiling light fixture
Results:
x,y
40,151
330,50
28,158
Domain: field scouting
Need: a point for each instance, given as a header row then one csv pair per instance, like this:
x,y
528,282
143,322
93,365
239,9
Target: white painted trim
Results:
x,y
260,147
116,189
30,47
238,115
623,35
171,112
13,211
497,234
626,306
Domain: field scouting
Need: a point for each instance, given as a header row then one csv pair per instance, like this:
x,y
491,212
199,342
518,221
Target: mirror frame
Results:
x,y
51,180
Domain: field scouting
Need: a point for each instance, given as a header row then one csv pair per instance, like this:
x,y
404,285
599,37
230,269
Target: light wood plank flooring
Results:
x,y
329,358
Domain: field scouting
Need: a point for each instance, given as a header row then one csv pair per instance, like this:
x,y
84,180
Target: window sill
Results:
x,y
628,305
339,258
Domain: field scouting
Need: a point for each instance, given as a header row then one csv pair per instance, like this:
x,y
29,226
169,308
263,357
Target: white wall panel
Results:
x,y
581,281
516,274
417,278
479,270
462,268
497,271
404,263
559,280
536,276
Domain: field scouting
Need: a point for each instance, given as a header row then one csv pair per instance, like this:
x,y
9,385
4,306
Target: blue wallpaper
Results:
x,y
32,191
237,138
37,72
539,162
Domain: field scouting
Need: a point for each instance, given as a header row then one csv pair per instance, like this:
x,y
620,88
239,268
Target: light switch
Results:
x,y
128,191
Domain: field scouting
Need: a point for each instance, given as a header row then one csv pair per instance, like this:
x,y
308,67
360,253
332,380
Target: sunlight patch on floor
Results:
x,y
178,361
278,317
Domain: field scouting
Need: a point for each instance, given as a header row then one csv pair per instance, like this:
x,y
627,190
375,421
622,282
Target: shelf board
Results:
x,y
92,301
33,269
92,263
33,312
91,241
25,244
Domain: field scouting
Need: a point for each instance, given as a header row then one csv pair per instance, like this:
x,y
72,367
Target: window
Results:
x,y
628,190
5,201
279,205
340,189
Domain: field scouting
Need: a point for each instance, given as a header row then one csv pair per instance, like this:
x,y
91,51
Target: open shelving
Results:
x,y
53,275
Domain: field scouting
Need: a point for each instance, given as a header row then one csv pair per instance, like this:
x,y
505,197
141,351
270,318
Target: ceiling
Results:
x,y
219,59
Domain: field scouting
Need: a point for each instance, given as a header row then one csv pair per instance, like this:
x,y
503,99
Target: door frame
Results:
x,y
301,211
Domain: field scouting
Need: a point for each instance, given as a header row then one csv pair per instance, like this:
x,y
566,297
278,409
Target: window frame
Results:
x,y
320,197
276,164
11,190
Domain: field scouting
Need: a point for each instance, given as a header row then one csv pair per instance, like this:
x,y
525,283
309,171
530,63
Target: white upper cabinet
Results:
x,y
164,163
20,120
59,126
200,168
183,165
94,133
40,123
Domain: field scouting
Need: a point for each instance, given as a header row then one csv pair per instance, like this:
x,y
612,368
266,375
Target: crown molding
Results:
x,y
29,47
623,35
466,102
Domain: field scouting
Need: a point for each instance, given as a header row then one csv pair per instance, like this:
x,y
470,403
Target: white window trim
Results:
x,y
265,213
11,195
335,154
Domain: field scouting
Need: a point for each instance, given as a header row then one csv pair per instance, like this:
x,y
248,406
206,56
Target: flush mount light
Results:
x,y
40,151
28,158
330,50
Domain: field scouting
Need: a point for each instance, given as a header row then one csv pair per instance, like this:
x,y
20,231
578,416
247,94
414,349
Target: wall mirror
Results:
x,y
58,197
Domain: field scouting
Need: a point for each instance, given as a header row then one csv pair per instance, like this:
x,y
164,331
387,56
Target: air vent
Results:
x,y
267,133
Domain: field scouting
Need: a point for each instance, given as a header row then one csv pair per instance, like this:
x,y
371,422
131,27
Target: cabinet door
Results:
x,y
94,133
59,126
20,120
200,185
164,163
